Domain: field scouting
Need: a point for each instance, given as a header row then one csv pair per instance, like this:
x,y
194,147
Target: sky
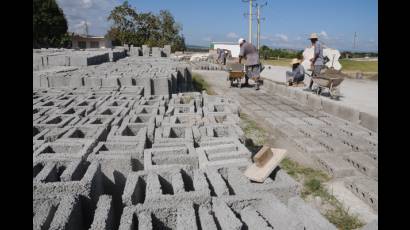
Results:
x,y
286,24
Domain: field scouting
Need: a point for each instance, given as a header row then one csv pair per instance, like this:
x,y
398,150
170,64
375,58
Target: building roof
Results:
x,y
225,43
89,36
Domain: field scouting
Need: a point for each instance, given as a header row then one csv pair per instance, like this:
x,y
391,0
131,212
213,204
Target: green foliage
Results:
x,y
133,28
49,25
200,84
267,53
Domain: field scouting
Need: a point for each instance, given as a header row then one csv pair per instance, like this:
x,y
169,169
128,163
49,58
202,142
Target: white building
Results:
x,y
87,42
232,46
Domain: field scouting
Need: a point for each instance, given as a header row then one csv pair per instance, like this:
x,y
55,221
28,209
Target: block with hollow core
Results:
x,y
63,213
104,214
64,150
357,144
226,151
58,121
116,111
334,165
278,183
187,215
362,162
309,131
176,133
158,157
365,189
288,131
117,159
80,133
308,145
310,217
128,133
147,110
266,210
215,131
333,144
119,103
265,161
171,185
72,178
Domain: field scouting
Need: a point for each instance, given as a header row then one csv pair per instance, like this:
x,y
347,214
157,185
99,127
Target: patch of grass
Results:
x,y
200,84
280,62
312,181
255,136
363,66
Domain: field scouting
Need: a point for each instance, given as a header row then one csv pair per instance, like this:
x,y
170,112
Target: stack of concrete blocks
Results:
x,y
156,75
167,50
135,51
146,51
156,52
111,157
44,60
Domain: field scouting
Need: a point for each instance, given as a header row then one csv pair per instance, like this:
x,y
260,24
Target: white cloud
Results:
x,y
282,37
264,37
94,12
232,35
324,34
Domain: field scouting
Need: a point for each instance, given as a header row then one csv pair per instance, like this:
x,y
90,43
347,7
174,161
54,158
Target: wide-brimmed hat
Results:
x,y
313,36
294,61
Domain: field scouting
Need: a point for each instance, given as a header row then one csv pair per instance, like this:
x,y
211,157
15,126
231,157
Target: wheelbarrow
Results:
x,y
330,80
236,73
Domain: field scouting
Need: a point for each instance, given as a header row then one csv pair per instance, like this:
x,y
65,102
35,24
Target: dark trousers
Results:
x,y
316,72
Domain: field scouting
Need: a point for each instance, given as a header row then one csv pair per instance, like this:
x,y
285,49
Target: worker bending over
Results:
x,y
317,60
252,65
297,74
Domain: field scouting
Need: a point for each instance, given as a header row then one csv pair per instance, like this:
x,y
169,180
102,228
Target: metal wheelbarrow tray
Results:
x,y
331,80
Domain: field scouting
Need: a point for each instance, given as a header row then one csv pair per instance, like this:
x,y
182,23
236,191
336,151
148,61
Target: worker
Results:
x,y
252,66
223,57
218,55
297,74
317,60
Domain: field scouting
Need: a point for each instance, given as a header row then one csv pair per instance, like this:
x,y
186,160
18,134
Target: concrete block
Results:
x,y
364,188
309,216
104,216
369,121
349,114
314,102
301,97
333,145
363,163
334,165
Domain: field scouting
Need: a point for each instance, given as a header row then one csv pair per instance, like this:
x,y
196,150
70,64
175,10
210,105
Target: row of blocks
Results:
x,y
341,149
250,211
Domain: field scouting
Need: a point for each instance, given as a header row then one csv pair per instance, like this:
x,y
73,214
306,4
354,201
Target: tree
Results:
x,y
49,25
131,27
123,29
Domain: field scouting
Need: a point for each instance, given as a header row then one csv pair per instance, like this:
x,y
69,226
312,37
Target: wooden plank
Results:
x,y
266,160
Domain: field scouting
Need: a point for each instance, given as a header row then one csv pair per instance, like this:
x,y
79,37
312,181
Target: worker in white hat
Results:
x,y
252,65
297,74
317,62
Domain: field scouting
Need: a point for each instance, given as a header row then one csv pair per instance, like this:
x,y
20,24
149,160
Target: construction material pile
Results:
x,y
121,157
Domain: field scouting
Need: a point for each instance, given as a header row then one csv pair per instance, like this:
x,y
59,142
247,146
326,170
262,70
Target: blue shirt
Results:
x,y
318,53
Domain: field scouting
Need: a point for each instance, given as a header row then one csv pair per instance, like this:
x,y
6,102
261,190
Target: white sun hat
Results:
x,y
240,41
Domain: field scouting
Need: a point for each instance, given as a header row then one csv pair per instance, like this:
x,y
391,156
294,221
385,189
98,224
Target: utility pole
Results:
x,y
250,14
86,28
354,40
250,21
258,35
